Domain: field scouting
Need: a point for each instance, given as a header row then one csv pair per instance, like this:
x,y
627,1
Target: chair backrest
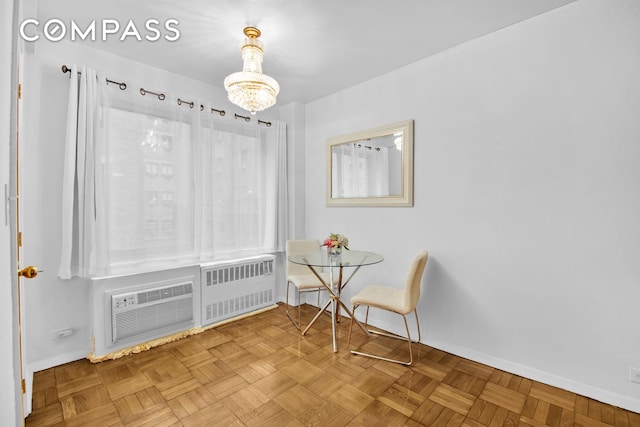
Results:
x,y
295,247
414,279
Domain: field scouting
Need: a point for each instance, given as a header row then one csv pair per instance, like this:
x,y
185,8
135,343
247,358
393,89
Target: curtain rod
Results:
x,y
122,86
162,97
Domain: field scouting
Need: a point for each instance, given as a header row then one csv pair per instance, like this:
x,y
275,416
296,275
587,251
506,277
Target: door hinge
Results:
x,y
19,239
24,386
19,90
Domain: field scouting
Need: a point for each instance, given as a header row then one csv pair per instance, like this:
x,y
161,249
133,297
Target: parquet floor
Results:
x,y
259,371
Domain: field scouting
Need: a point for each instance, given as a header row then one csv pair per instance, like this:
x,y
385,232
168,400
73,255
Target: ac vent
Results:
x,y
141,312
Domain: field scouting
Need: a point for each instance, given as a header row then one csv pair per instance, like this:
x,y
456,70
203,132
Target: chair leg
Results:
x,y
299,325
353,316
394,336
366,318
415,313
296,324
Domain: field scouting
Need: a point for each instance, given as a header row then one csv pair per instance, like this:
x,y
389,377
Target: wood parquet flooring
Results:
x,y
259,371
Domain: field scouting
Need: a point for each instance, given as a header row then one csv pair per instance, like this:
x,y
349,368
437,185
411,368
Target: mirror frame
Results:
x,y
406,196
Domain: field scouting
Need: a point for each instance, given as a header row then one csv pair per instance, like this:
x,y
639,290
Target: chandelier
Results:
x,y
250,89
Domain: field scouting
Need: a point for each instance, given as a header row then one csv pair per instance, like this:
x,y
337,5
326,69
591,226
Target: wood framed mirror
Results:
x,y
373,167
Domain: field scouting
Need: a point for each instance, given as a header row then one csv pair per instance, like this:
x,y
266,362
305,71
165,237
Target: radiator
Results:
x,y
232,288
151,309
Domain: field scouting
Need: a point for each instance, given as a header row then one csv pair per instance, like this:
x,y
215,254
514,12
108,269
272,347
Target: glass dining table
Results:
x,y
352,260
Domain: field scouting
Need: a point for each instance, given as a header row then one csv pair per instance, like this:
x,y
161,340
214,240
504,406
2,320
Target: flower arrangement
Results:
x,y
336,241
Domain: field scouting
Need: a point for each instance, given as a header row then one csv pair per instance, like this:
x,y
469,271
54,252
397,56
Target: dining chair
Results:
x,y
301,277
400,301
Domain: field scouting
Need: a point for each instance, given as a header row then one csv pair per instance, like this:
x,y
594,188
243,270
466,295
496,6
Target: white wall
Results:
x,y
527,195
51,303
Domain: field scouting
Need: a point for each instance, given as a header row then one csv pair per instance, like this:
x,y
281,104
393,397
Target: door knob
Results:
x,y
29,272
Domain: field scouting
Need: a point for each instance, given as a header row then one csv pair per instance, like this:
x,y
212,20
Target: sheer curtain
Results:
x,y
378,172
360,171
83,210
281,211
243,169
151,189
152,184
349,173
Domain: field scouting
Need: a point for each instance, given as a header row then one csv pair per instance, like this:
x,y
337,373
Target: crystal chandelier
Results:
x,y
250,89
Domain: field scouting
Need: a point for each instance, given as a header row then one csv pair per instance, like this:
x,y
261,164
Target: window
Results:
x,y
153,184
184,191
150,188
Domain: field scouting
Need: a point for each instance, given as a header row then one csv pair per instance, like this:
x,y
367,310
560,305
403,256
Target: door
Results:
x,y
26,272
11,404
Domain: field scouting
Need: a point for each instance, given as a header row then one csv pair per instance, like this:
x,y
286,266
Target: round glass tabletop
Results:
x,y
348,258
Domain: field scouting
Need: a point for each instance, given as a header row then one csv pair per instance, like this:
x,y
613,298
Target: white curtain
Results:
x,y
243,171
276,211
378,173
360,171
349,172
281,230
150,184
82,191
153,174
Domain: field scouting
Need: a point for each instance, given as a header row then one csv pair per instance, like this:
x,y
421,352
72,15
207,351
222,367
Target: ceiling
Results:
x,y
312,48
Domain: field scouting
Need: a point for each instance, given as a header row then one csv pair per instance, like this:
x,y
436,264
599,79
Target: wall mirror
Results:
x,y
372,167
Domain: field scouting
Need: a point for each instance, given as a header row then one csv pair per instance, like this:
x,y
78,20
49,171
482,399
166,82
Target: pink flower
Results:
x,y
336,240
328,243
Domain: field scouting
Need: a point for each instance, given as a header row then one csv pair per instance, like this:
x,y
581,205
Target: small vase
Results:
x,y
334,252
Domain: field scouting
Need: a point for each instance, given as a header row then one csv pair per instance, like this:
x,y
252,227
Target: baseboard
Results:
x,y
582,389
593,392
57,360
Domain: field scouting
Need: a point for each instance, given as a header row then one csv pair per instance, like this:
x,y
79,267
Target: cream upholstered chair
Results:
x,y
301,277
400,301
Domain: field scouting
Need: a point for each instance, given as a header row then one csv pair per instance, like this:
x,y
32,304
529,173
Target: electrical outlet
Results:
x,y
634,375
61,333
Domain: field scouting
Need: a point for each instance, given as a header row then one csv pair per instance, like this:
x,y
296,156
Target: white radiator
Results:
x,y
151,309
232,288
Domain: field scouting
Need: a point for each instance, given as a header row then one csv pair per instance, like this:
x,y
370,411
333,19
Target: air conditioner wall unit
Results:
x,y
157,308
